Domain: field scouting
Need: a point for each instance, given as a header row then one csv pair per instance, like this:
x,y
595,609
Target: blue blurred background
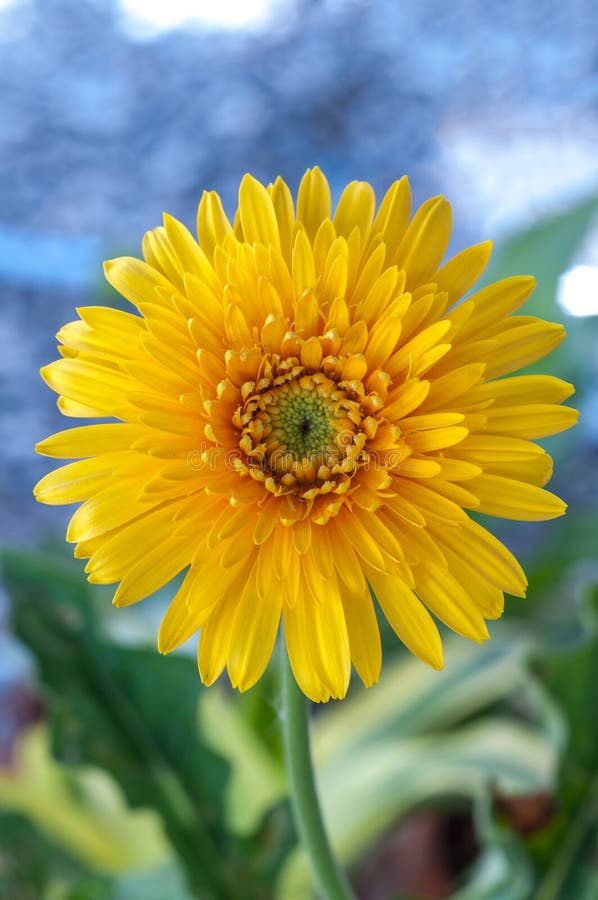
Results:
x,y
115,110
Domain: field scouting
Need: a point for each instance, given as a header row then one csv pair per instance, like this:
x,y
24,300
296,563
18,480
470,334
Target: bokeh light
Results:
x,y
578,291
172,14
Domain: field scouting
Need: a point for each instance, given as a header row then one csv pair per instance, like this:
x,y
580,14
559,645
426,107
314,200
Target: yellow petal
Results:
x,y
431,420
383,341
534,470
164,414
265,521
435,438
429,502
446,388
159,566
90,440
238,332
212,223
393,217
369,274
452,491
302,536
228,524
107,332
313,201
307,315
184,245
425,241
449,601
117,503
159,254
282,202
409,356
322,551
300,652
514,500
339,317
349,568
463,270
76,481
406,399
336,272
355,367
77,410
282,543
535,420
420,468
126,545
135,280
496,302
238,547
486,448
214,640
408,618
326,635
456,469
488,598
325,237
521,389
385,288
364,635
92,385
486,553
304,270
355,209
522,345
353,531
311,353
257,213
187,611
416,540
252,635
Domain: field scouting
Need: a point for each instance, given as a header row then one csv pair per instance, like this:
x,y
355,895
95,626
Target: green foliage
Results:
x,y
32,868
134,714
419,742
545,251
566,851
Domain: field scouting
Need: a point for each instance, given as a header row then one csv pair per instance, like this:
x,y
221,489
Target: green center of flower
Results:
x,y
300,432
302,421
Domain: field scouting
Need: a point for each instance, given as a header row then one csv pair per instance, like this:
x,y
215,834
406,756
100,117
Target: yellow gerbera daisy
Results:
x,y
305,412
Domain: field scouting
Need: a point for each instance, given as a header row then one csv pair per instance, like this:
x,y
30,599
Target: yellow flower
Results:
x,y
306,411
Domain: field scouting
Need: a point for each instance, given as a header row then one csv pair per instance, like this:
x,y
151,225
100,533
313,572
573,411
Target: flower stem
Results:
x,y
330,880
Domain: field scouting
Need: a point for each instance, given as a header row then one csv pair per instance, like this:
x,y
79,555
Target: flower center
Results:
x,y
300,432
301,420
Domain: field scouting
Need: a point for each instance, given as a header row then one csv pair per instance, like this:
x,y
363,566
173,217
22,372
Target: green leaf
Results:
x,y
257,781
80,809
413,699
156,884
32,867
502,871
565,849
545,251
412,741
132,713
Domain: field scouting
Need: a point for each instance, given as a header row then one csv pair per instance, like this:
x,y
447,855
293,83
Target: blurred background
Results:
x,y
479,783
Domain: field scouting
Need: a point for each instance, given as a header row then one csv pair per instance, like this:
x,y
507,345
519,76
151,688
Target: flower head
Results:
x,y
305,414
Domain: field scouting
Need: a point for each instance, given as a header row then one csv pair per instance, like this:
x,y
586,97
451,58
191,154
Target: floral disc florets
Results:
x,y
303,432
